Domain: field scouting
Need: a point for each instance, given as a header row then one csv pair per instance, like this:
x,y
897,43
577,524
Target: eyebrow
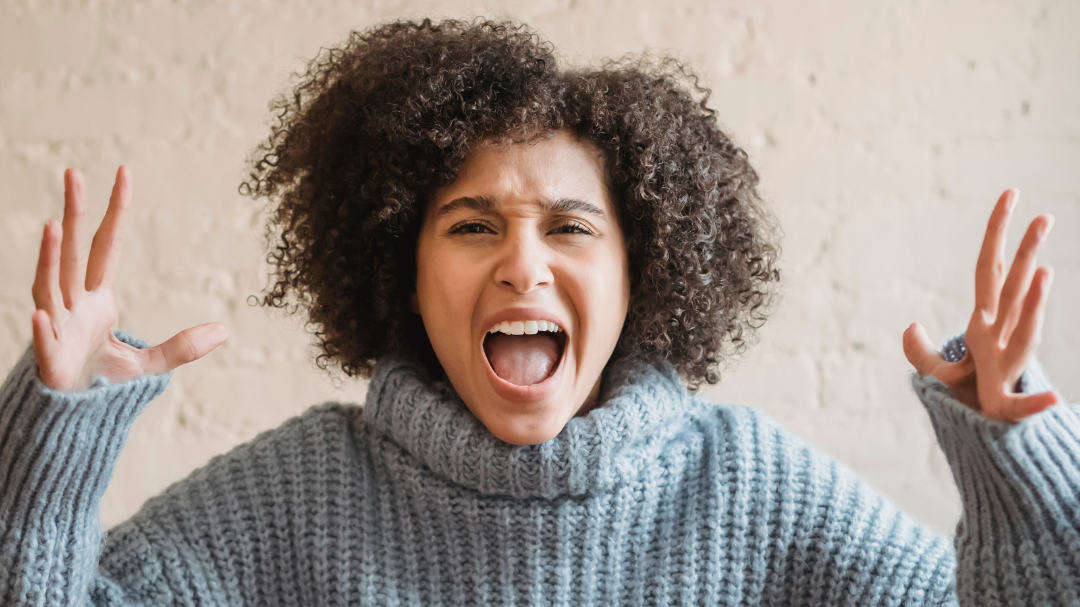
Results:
x,y
483,204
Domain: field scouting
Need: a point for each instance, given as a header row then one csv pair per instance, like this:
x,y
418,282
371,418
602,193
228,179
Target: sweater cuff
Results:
x,y
1029,470
55,444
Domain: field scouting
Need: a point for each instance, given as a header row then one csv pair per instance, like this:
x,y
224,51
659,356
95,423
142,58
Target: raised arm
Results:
x,y
1017,541
1013,447
67,407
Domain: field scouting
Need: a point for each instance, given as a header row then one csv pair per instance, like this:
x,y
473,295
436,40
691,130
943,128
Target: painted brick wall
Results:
x,y
883,133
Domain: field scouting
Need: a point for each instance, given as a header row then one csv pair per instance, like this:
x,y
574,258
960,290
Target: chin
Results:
x,y
522,429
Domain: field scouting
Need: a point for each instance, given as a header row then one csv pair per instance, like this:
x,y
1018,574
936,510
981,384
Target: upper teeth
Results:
x,y
528,327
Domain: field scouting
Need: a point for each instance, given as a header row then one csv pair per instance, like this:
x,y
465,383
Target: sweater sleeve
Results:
x,y
1017,542
57,454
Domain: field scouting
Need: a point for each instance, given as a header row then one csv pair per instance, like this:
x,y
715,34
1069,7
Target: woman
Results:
x,y
536,269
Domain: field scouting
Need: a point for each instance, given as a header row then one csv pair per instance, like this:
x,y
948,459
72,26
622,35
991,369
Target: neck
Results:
x,y
591,399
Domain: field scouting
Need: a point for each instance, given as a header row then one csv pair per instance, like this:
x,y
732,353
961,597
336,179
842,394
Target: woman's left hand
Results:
x,y
1005,328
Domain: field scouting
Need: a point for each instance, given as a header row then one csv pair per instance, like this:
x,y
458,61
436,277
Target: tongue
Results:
x,y
522,359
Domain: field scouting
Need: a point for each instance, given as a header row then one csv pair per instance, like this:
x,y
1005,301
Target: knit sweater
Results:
x,y
656,497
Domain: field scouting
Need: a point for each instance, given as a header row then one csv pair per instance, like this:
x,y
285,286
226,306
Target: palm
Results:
x,y
76,310
82,338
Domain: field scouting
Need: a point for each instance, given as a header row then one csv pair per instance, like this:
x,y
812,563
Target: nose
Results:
x,y
524,262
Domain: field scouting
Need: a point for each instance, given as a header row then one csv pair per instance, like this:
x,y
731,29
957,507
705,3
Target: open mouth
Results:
x,y
525,360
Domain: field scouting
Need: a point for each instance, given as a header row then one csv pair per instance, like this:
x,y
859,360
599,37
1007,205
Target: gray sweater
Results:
x,y
656,497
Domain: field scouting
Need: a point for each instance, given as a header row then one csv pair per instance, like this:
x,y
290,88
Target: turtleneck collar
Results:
x,y
640,408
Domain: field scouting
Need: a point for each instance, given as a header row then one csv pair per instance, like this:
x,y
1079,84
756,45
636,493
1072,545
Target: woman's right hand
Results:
x,y
76,309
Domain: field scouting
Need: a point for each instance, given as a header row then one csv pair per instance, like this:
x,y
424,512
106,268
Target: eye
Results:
x,y
573,227
471,227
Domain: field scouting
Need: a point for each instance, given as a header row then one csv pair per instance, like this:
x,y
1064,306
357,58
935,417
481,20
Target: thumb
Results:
x,y
920,351
184,347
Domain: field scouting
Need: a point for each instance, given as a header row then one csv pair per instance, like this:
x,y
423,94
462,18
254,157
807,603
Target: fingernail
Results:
x,y
1044,228
218,331
1012,199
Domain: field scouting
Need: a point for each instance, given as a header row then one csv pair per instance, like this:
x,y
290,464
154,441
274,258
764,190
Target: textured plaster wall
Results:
x,y
883,133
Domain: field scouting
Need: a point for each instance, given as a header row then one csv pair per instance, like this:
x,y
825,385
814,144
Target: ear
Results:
x,y
414,303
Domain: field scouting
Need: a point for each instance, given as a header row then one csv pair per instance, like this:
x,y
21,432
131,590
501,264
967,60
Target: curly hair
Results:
x,y
376,124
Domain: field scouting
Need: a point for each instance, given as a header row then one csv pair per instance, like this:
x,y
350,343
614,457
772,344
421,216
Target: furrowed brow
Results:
x,y
483,204
569,205
479,204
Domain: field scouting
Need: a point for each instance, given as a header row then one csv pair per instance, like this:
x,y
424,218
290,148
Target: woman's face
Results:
x,y
526,233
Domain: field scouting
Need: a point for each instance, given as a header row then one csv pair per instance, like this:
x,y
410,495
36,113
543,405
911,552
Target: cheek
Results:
x,y
446,286
601,293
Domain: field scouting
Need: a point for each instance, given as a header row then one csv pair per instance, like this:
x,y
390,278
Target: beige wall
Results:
x,y
883,133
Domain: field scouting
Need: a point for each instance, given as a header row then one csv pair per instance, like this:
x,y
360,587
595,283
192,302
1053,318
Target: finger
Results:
x,y
920,351
44,337
1020,275
105,250
1018,406
46,289
184,347
1028,333
990,269
72,268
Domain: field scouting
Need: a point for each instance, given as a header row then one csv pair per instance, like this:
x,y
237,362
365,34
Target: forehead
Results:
x,y
560,166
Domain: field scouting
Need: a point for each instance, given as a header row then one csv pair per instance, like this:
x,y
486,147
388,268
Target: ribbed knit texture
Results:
x,y
656,497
